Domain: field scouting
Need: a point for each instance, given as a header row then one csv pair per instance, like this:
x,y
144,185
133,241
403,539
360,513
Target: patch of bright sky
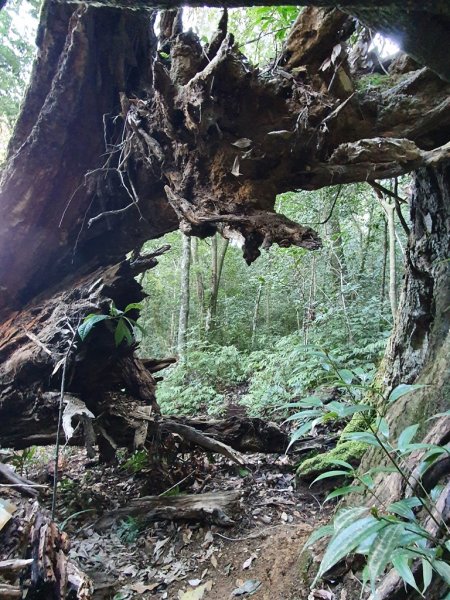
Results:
x,y
25,23
385,46
203,21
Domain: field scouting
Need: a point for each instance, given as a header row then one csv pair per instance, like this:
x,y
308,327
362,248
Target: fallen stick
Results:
x,y
196,437
14,564
25,486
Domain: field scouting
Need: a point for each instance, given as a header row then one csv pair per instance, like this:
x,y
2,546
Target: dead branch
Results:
x,y
24,486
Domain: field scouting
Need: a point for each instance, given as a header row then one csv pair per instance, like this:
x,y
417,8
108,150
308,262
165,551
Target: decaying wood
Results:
x,y
246,434
9,591
194,436
214,507
44,567
189,124
154,365
96,367
418,27
206,143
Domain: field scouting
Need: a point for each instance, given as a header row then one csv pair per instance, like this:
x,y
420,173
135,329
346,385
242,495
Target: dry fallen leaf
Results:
x,y
249,587
214,561
141,588
196,594
248,563
242,143
7,509
321,595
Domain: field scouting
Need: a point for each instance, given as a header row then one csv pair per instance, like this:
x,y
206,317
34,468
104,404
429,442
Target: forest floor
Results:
x,y
260,555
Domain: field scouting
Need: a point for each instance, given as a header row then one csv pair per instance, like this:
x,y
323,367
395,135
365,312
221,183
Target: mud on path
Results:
x,y
259,556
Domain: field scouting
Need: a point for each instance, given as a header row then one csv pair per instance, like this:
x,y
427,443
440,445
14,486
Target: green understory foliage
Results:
x,y
393,534
385,535
271,312
201,383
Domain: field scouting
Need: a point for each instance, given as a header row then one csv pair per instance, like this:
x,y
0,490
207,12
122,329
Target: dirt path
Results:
x,y
191,561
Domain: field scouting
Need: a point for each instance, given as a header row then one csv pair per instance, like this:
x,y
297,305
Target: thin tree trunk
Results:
x,y
383,268
267,308
337,258
184,297
389,212
255,314
365,242
217,261
310,314
199,284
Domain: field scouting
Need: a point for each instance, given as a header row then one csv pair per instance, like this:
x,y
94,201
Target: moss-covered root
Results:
x,y
349,451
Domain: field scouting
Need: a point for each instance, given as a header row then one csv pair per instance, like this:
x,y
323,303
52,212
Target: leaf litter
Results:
x,y
193,561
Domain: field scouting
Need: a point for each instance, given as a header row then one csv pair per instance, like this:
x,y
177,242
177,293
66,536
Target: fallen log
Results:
x,y
253,435
217,508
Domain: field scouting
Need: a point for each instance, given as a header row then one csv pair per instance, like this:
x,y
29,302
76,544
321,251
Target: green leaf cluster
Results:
x,y
125,328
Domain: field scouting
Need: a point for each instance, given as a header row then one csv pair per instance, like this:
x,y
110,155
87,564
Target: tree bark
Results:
x,y
419,347
198,275
184,295
217,261
184,144
418,27
389,209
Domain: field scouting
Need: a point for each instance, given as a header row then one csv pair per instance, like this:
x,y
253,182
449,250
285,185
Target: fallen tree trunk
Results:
x,y
215,507
178,148
246,434
36,345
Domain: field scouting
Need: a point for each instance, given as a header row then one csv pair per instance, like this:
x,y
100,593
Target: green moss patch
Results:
x,y
349,451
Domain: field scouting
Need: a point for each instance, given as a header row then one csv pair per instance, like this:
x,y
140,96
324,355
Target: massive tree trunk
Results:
x,y
148,143
419,348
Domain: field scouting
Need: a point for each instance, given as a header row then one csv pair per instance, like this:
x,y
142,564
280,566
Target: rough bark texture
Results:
x,y
173,125
418,27
116,145
204,142
420,344
418,352
211,507
42,566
